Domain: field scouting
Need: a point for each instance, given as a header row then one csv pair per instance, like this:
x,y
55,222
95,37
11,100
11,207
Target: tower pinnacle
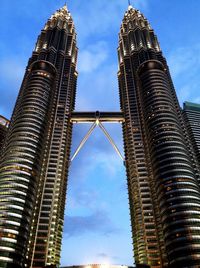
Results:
x,y
65,6
62,14
129,4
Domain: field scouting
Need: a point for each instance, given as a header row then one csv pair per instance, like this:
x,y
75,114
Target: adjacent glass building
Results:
x,y
191,113
163,186
35,161
4,123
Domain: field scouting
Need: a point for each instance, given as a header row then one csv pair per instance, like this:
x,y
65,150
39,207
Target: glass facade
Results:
x,y
191,113
35,161
4,123
163,184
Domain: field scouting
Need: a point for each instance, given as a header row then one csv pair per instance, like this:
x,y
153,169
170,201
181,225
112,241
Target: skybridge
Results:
x,y
97,119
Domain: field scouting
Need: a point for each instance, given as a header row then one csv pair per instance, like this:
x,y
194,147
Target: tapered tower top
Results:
x,y
62,13
132,14
62,19
130,7
135,34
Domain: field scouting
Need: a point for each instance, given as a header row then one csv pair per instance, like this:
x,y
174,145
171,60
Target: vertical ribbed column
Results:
x,y
56,44
21,163
191,114
138,43
175,182
147,249
3,131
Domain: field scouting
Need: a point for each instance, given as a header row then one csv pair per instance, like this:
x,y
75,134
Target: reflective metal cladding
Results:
x,y
35,162
162,171
4,123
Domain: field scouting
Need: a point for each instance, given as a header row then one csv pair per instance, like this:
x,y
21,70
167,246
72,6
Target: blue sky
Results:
x,y
97,225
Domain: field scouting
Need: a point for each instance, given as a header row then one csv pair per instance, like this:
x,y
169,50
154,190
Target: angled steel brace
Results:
x,y
110,139
86,137
84,140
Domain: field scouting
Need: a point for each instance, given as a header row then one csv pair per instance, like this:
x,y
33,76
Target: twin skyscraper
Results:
x,y
162,161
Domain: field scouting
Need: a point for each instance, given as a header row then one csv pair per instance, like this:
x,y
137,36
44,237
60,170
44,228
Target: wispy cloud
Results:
x,y
99,90
11,73
182,60
100,166
106,258
103,255
109,12
184,67
82,197
98,222
12,69
197,100
92,57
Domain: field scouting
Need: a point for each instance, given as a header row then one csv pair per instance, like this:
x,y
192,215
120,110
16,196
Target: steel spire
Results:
x,y
129,5
65,5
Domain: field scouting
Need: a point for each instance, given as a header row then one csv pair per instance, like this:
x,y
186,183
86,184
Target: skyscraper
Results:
x,y
191,113
163,188
35,162
3,130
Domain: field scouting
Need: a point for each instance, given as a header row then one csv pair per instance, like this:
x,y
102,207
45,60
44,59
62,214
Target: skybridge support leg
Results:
x,y
84,140
110,140
97,118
